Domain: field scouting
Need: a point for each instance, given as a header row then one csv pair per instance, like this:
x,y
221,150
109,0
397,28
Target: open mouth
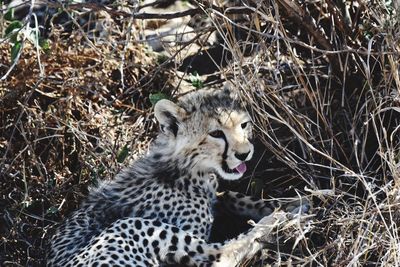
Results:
x,y
241,168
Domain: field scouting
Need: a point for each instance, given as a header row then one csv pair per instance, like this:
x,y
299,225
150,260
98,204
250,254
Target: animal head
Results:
x,y
211,129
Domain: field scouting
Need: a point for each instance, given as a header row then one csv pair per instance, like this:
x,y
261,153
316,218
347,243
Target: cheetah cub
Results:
x,y
159,211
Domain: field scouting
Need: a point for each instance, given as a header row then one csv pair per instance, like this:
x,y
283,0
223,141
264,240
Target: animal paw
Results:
x,y
266,226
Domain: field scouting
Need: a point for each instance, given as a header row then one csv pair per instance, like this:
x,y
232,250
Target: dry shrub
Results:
x,y
322,82
70,114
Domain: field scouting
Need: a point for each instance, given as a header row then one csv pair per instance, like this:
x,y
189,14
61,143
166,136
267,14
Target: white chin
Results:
x,y
229,176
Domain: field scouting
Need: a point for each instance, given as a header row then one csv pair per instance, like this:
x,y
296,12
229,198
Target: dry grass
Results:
x,y
322,82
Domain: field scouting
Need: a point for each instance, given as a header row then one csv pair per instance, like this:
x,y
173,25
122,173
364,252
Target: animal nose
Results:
x,y
242,156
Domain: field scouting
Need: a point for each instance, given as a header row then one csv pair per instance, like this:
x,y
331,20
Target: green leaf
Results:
x,y
15,50
154,98
45,45
196,81
13,37
9,15
13,26
123,154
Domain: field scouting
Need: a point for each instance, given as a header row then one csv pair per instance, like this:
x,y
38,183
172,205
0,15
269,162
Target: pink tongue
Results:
x,y
241,168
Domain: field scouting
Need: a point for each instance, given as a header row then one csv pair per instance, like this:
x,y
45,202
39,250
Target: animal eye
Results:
x,y
244,124
217,134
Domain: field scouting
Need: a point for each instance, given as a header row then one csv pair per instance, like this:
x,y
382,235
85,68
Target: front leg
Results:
x,y
147,242
256,209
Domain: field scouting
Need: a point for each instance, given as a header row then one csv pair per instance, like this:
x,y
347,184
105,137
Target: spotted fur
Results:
x,y
160,210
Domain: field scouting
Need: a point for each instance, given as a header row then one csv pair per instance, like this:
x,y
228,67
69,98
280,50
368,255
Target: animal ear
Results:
x,y
169,115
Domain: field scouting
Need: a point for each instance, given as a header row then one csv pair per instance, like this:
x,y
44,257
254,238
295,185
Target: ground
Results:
x,y
321,82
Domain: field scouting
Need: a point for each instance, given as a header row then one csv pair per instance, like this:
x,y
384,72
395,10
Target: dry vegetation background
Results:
x,y
321,79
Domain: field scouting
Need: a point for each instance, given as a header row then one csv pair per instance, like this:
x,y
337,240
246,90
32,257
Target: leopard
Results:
x,y
160,210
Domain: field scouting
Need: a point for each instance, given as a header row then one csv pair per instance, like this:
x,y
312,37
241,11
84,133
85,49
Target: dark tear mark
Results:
x,y
225,154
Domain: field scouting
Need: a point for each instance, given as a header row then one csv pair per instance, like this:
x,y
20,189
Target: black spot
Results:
x,y
188,239
200,249
186,227
192,253
157,156
150,231
184,260
180,187
138,225
155,243
163,234
157,223
136,237
174,240
187,184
